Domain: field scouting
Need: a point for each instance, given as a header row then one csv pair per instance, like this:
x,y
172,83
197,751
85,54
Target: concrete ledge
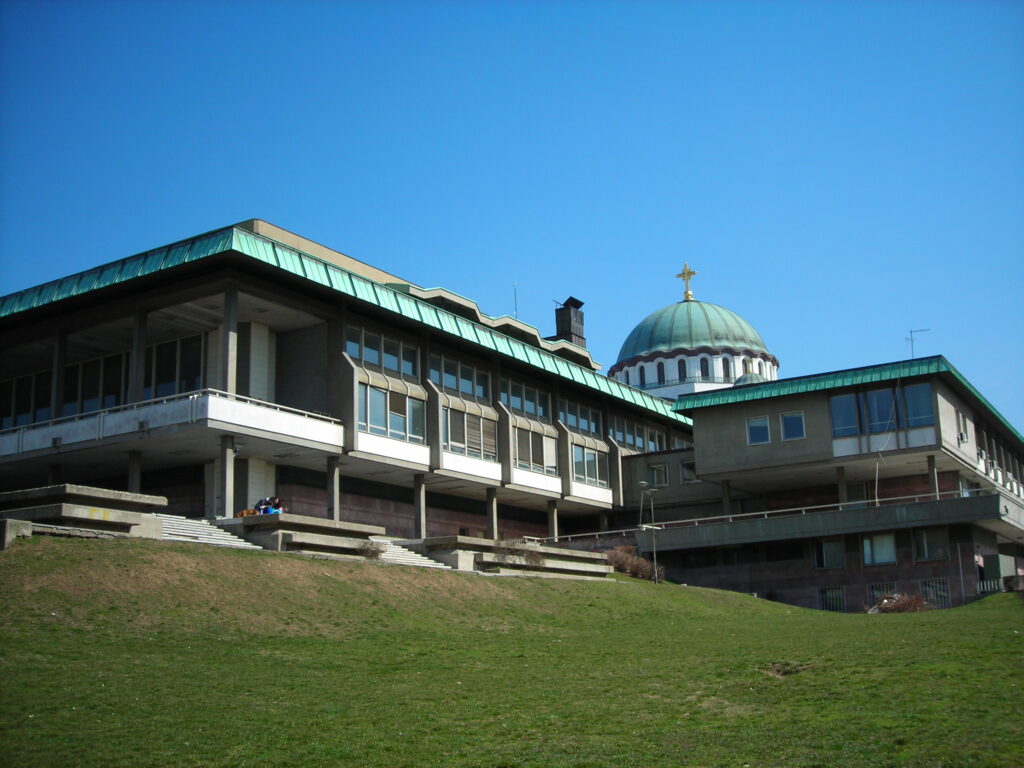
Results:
x,y
13,529
301,533
468,553
136,524
82,494
548,564
290,522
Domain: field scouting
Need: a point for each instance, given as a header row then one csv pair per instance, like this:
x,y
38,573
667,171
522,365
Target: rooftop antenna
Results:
x,y
911,339
515,300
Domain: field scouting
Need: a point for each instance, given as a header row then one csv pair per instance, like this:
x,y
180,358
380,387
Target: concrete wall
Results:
x,y
947,404
720,434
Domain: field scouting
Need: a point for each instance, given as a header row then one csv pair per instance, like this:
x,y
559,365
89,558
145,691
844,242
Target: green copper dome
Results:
x,y
690,325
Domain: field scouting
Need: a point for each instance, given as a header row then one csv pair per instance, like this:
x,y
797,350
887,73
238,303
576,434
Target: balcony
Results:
x,y
208,408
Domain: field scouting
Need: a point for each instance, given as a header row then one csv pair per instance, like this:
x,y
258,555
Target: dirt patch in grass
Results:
x,y
781,669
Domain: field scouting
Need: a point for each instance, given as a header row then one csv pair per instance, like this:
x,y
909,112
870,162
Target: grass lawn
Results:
x,y
134,652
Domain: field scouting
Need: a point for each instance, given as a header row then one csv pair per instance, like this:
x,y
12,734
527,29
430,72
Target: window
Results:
x,y
580,418
526,399
792,425
705,368
760,367
688,472
917,400
757,431
726,369
536,452
460,379
382,352
832,599
657,475
931,544
844,415
879,590
830,553
643,376
681,372
881,410
391,414
590,466
661,372
626,375
747,365
469,434
936,592
879,548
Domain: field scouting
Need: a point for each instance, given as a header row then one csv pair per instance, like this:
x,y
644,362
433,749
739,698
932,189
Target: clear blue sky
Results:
x,y
838,173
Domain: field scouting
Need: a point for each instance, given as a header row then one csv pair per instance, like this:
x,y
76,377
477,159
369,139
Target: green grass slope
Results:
x,y
136,653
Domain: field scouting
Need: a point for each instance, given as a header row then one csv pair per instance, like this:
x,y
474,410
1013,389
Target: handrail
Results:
x,y
195,394
790,511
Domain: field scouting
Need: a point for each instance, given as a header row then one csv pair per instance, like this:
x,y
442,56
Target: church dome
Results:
x,y
690,326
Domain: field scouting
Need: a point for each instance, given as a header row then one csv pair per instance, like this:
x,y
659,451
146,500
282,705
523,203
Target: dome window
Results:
x,y
681,375
626,374
661,373
747,368
705,368
726,369
643,377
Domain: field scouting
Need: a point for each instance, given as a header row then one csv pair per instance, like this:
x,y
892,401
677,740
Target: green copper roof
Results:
x,y
904,369
690,325
233,239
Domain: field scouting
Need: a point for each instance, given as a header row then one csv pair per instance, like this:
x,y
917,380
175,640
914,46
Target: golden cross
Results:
x,y
686,275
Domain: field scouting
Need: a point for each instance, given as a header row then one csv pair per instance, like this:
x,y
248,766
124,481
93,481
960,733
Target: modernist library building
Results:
x,y
250,362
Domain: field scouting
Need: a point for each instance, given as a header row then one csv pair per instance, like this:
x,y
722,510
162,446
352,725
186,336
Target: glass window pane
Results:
x,y
435,369
844,415
6,404
523,447
591,465
451,375
191,364
457,427
466,380
881,410
757,430
490,437
362,406
416,419
537,451
354,342
880,548
474,436
579,465
516,401
112,387
550,455
584,419
391,351
483,385
544,406
602,468
378,411
147,386
503,391
792,425
42,398
166,365
23,400
918,399
69,405
91,386
371,348
410,360
530,400
571,419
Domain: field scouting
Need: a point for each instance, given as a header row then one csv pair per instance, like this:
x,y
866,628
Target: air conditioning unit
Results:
x,y
962,437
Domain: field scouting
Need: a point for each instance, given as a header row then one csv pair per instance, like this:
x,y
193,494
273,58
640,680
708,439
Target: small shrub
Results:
x,y
624,559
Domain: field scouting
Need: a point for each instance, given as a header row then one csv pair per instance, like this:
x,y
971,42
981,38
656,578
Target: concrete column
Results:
x,y
726,498
229,342
552,518
54,474
491,509
419,506
841,485
60,347
933,477
135,471
137,362
602,521
334,488
224,505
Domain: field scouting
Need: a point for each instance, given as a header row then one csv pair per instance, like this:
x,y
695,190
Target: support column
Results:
x,y
602,521
229,342
224,504
841,486
60,348
134,471
933,477
491,509
419,506
726,498
54,474
552,518
334,488
137,362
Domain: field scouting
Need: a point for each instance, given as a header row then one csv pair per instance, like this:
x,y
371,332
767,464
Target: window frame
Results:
x,y
782,425
657,475
871,537
767,427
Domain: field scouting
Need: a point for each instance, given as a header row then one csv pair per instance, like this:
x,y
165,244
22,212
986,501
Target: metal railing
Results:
x,y
788,512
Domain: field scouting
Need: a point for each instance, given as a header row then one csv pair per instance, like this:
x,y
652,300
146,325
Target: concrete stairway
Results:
x,y
399,555
196,531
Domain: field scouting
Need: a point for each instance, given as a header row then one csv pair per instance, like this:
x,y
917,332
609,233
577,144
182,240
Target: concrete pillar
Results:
x,y
334,488
135,471
933,477
419,506
602,521
491,509
552,518
726,498
60,348
841,486
225,500
54,474
137,362
229,342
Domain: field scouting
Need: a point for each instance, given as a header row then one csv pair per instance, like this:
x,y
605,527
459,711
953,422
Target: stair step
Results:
x,y
177,528
399,555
